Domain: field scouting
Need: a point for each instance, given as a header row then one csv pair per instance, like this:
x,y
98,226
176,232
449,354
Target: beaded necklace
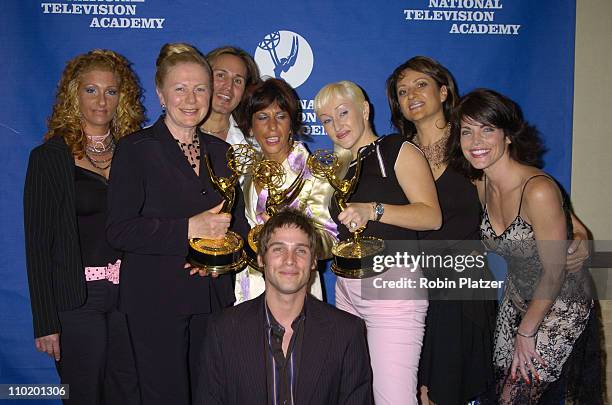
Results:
x,y
435,153
99,146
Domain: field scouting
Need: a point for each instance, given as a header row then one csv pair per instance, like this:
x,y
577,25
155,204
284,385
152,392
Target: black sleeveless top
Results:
x,y
460,207
90,204
378,183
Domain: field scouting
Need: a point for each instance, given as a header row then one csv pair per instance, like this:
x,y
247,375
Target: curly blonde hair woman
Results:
x,y
66,119
73,272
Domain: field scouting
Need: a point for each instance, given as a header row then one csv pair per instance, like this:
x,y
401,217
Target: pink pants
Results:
x,y
395,335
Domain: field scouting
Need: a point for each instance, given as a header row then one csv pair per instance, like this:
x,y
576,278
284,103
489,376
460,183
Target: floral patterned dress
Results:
x,y
559,329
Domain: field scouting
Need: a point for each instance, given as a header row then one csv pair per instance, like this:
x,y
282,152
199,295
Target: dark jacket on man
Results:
x,y
334,366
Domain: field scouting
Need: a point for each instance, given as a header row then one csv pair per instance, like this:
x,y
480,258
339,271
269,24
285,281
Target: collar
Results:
x,y
275,326
297,158
235,136
369,149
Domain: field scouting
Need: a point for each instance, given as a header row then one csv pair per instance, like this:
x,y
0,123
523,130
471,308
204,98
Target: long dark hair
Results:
x,y
492,108
431,68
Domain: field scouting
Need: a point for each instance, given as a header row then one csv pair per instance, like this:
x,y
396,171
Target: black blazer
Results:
x,y
53,254
334,367
152,193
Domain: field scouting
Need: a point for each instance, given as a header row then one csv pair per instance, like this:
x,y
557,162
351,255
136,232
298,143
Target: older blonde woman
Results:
x,y
159,197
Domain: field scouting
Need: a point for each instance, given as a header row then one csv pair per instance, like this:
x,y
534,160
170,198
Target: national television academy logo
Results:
x,y
285,55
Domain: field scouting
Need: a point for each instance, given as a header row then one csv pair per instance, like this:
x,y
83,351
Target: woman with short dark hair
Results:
x,y
545,307
271,115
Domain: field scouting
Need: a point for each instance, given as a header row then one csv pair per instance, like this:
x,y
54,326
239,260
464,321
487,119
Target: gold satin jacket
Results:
x,y
313,199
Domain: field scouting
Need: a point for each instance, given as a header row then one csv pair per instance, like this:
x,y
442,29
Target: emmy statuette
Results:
x,y
224,255
270,175
354,257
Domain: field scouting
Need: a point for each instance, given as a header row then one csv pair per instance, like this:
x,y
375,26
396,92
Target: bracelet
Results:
x,y
518,332
379,210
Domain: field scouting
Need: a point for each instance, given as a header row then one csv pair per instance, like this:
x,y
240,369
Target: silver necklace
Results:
x,y
98,147
99,144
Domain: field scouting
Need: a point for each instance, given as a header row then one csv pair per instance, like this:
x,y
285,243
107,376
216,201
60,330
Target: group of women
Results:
x,y
452,159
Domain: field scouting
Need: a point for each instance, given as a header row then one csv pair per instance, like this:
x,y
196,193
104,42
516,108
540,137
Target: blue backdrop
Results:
x,y
521,48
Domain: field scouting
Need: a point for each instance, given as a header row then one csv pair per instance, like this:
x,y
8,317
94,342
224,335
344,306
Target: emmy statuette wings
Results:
x,y
270,175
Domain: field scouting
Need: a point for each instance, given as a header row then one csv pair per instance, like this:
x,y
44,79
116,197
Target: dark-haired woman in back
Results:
x,y
545,307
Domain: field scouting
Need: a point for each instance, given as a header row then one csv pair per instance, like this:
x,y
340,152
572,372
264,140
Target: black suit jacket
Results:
x,y
152,193
53,254
334,365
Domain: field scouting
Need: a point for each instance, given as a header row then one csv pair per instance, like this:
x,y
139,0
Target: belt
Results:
x,y
109,272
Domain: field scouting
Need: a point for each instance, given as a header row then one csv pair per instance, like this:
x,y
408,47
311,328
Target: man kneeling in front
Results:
x,y
286,347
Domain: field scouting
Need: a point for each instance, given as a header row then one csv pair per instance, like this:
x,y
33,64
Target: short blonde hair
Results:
x,y
172,54
344,88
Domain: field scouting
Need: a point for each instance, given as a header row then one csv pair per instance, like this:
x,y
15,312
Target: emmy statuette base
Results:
x,y
251,247
218,255
356,259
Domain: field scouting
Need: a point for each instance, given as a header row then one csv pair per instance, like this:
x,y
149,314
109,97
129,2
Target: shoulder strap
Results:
x,y
485,191
523,190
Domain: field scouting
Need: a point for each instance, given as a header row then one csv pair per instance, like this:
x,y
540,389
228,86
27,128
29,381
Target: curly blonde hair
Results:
x,y
65,120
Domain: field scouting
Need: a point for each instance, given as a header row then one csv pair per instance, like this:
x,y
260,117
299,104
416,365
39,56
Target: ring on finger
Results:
x,y
353,224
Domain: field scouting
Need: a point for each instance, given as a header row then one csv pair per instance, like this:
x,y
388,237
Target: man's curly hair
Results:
x,y
65,120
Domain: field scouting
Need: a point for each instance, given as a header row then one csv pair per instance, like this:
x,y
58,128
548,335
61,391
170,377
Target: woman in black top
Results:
x,y
456,361
394,197
73,272
159,197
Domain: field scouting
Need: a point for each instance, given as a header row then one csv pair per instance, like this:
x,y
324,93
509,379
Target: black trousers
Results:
x,y
167,351
96,353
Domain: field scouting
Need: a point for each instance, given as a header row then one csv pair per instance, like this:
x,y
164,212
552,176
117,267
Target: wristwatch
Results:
x,y
379,210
